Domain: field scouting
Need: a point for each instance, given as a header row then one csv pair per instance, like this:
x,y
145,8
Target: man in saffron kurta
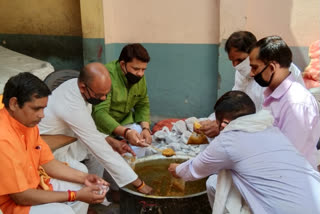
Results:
x,y
22,152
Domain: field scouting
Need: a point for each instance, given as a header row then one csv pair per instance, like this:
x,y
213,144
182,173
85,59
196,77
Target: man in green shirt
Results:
x,y
126,111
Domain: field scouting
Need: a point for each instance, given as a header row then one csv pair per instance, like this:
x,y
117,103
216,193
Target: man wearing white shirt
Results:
x,y
271,175
69,113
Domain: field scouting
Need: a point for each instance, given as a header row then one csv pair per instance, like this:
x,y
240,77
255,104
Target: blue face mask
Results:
x,y
259,79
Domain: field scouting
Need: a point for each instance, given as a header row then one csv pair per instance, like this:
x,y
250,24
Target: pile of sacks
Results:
x,y
175,139
311,74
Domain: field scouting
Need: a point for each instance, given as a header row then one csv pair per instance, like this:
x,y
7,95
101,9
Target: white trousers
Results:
x,y
76,207
211,185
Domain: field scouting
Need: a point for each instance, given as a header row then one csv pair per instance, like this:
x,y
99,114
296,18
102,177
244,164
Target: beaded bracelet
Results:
x,y
72,195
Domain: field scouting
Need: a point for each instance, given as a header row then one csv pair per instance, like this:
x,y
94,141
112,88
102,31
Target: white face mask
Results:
x,y
244,68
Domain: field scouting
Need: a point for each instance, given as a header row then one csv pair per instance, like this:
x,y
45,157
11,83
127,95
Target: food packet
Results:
x,y
196,138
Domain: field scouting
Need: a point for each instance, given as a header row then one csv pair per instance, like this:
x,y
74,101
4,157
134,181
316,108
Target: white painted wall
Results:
x,y
210,21
296,21
165,21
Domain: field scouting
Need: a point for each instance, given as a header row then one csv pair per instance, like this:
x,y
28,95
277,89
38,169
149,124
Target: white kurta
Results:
x,y
68,114
269,172
243,82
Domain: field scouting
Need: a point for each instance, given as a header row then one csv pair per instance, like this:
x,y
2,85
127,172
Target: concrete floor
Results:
x,y
113,208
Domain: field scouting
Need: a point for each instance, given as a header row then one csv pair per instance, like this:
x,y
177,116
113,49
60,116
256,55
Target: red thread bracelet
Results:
x,y
140,186
72,195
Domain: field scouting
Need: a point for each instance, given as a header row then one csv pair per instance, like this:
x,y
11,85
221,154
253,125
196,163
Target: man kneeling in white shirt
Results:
x,y
271,175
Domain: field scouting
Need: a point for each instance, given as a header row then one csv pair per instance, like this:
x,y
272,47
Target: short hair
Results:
x,y
24,86
135,50
85,76
274,48
233,104
241,40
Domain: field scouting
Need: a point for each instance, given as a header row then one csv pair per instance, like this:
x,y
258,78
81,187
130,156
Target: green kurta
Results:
x,y
124,105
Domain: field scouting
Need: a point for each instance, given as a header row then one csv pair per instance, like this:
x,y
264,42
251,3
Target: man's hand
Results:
x,y
172,169
145,190
142,187
91,194
135,139
92,180
208,128
94,191
145,134
120,146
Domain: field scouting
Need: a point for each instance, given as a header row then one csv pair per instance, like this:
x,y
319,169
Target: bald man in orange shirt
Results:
x,y
22,152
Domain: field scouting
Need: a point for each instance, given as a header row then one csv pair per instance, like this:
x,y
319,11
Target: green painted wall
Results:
x,y
63,52
93,50
226,72
181,78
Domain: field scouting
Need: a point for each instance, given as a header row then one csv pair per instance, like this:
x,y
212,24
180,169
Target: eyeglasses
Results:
x,y
94,94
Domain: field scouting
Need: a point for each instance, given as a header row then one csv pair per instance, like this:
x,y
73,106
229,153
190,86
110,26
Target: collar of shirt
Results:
x,y
121,74
269,95
74,94
16,125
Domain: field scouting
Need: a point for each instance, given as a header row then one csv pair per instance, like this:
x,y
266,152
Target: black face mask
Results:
x,y
132,79
259,79
92,100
